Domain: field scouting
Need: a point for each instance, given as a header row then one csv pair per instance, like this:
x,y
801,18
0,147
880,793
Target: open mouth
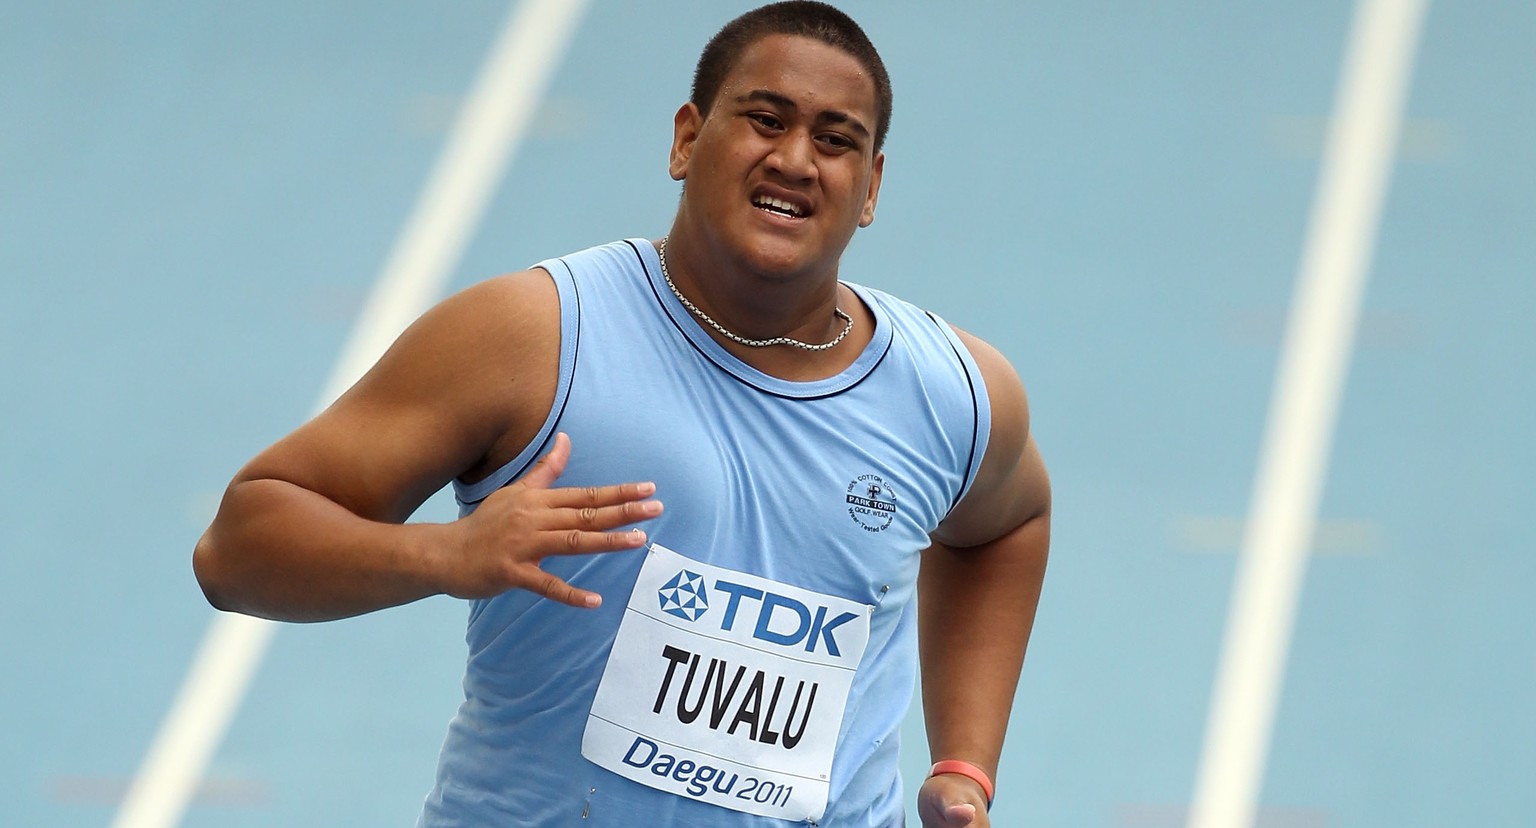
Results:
x,y
778,206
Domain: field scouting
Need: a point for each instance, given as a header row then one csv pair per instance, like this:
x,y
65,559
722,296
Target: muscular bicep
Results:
x,y
471,376
1011,486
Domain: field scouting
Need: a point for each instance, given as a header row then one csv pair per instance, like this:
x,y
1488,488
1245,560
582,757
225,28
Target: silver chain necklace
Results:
x,y
741,340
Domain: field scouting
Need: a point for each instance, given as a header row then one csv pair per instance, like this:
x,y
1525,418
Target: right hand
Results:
x,y
500,545
951,801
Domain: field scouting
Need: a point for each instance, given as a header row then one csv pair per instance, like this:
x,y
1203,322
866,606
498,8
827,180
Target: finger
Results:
x,y
958,816
597,518
549,468
553,588
597,496
945,802
577,542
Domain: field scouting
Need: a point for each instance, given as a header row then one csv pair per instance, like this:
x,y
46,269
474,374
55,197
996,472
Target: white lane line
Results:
x,y
489,127
1352,183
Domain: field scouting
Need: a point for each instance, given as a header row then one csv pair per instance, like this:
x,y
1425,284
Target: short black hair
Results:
x,y
802,18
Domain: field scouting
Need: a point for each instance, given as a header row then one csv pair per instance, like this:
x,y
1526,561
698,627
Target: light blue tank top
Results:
x,y
831,486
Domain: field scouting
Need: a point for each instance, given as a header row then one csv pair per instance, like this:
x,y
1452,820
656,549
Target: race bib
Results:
x,y
727,688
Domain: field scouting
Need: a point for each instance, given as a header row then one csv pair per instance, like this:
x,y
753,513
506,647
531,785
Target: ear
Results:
x,y
868,217
685,130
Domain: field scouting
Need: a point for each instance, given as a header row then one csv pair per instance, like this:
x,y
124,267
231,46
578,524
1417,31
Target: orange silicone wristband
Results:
x,y
968,770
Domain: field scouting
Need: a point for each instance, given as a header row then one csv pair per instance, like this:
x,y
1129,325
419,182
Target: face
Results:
x,y
783,169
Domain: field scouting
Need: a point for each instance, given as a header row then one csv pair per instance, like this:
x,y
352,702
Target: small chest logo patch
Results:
x,y
684,596
871,502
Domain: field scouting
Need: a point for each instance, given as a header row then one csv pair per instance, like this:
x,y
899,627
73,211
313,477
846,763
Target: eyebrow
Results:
x,y
830,116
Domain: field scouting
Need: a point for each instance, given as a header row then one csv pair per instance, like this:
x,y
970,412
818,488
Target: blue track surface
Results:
x,y
194,198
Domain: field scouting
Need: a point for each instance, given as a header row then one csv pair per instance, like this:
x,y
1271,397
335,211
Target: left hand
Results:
x,y
952,801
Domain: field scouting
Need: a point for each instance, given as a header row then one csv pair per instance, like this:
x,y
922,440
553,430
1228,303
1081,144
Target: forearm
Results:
x,y
279,551
976,610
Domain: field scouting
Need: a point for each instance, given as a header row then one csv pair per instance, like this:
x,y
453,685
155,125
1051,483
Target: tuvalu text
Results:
x,y
721,696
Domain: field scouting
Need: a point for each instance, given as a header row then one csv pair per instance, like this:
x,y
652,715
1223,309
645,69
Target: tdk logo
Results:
x,y
780,619
684,596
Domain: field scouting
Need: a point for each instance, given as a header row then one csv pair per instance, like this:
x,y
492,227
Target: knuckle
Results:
x,y
573,540
589,515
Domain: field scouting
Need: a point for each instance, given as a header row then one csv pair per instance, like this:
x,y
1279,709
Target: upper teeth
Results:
x,y
778,204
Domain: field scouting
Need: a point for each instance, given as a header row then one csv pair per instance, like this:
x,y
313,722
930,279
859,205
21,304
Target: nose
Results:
x,y
794,156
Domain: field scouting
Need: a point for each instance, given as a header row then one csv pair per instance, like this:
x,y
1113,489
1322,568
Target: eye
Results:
x,y
765,120
836,141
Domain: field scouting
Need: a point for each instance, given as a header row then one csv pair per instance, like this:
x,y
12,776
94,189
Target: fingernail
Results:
x,y
594,600
646,488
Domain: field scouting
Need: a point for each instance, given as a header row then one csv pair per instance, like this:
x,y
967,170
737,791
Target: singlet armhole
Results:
x,y
469,495
981,407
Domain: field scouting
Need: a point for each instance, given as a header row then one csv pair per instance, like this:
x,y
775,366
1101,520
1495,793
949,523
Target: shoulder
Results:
x,y
624,257
492,351
478,369
472,339
492,309
1011,485
458,387
1010,405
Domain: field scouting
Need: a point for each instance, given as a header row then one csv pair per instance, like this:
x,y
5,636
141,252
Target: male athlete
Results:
x,y
828,455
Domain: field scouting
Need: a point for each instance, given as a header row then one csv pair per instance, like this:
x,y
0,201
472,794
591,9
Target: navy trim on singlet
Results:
x,y
975,412
545,436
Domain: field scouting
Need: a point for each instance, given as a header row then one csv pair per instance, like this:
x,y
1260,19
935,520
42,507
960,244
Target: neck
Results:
x,y
783,361
737,302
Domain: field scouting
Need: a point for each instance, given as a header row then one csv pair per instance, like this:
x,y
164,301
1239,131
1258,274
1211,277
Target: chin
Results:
x,y
779,257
